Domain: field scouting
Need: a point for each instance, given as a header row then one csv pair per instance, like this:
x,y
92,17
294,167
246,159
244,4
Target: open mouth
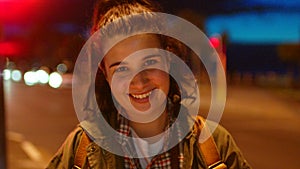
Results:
x,y
141,96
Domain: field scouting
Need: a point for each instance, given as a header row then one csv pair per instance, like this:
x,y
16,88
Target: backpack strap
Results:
x,y
80,155
209,149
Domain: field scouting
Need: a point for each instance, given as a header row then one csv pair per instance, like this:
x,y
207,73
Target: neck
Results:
x,y
145,130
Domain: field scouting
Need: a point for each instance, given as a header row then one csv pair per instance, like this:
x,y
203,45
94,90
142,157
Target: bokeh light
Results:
x,y
43,76
30,78
55,80
6,74
16,75
62,68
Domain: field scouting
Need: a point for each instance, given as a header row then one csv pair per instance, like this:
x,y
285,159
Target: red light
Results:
x,y
215,42
9,49
16,10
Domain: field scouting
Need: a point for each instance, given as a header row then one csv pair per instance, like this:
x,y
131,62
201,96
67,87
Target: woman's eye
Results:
x,y
121,69
150,62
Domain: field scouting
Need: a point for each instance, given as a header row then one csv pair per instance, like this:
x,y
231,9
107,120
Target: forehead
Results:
x,y
132,44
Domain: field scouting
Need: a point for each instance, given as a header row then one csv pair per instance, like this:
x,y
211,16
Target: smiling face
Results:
x,y
136,74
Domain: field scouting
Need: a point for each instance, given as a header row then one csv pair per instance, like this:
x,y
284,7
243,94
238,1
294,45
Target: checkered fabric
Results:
x,y
161,161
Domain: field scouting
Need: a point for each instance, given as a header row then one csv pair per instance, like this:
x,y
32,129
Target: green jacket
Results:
x,y
98,158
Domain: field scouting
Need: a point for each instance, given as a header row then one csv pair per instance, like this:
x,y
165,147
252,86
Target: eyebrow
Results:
x,y
151,56
145,58
115,64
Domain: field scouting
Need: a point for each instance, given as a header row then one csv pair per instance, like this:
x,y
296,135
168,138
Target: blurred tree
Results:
x,y
42,43
192,16
290,53
193,61
69,49
49,47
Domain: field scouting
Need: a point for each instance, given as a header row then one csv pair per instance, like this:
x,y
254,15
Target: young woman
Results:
x,y
141,99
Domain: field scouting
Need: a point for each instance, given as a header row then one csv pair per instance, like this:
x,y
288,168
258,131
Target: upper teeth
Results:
x,y
141,96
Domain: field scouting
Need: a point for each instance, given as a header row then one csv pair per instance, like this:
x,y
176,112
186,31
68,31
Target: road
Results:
x,y
40,115
265,125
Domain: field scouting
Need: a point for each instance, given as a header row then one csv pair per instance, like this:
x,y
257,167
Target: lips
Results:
x,y
141,96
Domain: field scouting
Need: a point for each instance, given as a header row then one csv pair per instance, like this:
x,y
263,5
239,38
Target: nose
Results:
x,y
139,81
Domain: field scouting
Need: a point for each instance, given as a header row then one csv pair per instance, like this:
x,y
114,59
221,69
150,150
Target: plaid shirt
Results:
x,y
162,161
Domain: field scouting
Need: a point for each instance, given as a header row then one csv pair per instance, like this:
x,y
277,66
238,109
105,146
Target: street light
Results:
x,y
55,80
2,119
217,43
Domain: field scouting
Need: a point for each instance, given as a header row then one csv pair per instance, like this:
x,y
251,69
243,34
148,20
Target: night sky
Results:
x,y
250,21
254,29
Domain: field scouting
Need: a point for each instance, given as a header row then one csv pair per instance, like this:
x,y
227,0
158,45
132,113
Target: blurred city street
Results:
x,y
257,41
38,120
264,123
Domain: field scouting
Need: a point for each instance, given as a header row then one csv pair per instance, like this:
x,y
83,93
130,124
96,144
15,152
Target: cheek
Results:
x,y
162,80
119,92
118,86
